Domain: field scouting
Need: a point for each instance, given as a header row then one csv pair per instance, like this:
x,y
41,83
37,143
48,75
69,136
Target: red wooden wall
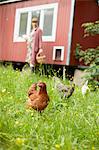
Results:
x,y
17,51
0,32
85,11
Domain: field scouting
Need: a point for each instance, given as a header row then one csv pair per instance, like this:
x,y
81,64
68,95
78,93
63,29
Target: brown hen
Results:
x,y
38,100
32,89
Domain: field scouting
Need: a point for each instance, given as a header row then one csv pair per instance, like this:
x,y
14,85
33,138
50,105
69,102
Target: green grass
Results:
x,y
70,124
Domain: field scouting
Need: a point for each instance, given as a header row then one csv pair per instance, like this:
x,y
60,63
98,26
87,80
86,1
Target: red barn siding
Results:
x,y
17,51
85,11
0,35
62,32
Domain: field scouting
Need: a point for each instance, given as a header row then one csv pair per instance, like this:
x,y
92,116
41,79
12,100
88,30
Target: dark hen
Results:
x,y
65,90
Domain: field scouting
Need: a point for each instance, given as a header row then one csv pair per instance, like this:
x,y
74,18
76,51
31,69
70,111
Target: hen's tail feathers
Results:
x,y
32,89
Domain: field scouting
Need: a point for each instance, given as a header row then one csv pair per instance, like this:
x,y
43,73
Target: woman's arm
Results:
x,y
40,38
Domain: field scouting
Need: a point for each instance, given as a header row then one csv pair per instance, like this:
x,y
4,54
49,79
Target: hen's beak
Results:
x,y
39,84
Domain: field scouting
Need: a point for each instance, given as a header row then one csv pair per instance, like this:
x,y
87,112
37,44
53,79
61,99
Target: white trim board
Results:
x,y
9,1
70,32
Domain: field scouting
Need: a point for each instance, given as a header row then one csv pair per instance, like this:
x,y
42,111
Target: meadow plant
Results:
x,y
69,124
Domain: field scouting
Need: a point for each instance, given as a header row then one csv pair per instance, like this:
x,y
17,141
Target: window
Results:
x,y
23,23
47,15
48,21
58,53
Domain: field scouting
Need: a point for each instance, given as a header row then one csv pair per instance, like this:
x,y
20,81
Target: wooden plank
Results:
x,y
9,1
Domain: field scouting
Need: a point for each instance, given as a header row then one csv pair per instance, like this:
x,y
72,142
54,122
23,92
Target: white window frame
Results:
x,y
62,53
16,37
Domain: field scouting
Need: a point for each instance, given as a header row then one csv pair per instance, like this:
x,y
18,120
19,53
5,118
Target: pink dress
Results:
x,y
34,43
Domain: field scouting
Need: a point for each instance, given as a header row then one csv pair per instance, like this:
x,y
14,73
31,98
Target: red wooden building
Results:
x,y
60,21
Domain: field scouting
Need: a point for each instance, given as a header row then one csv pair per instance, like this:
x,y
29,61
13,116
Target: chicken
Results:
x,y
69,91
85,88
32,89
65,90
38,100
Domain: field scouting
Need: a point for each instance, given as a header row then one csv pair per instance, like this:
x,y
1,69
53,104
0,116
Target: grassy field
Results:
x,y
70,124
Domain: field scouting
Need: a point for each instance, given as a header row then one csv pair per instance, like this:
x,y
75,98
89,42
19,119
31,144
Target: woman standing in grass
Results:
x,y
34,43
